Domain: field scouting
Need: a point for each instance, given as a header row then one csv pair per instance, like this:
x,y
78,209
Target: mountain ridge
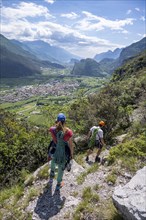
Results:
x,y
45,51
107,66
87,67
17,62
108,54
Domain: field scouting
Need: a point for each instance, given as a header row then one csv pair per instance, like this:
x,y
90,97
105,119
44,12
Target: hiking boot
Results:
x,y
97,159
87,159
59,186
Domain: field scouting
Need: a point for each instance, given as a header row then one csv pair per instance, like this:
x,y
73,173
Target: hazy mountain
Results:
x,y
17,62
16,49
14,65
87,67
109,54
36,48
132,50
45,51
131,67
109,65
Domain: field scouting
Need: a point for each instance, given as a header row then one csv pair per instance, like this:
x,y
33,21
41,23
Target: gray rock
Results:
x,y
130,199
81,141
119,139
72,201
127,175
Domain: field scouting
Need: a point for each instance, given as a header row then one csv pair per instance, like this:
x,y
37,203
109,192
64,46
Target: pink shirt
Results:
x,y
66,137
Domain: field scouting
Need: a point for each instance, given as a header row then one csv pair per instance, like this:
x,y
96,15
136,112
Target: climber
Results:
x,y
61,135
95,139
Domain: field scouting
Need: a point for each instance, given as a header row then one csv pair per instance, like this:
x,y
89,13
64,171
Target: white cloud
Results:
x,y
18,23
141,35
125,32
24,10
137,9
129,12
89,15
50,1
142,18
71,15
92,22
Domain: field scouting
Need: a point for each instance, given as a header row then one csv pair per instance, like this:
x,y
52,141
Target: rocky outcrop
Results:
x,y
81,142
130,199
119,139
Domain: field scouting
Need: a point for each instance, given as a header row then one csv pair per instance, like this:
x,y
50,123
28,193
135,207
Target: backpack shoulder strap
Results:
x,y
54,134
98,134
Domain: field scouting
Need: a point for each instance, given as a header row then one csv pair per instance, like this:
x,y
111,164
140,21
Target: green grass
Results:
x,y
111,178
92,169
96,187
81,178
131,152
16,105
86,206
43,173
107,211
14,193
79,158
39,120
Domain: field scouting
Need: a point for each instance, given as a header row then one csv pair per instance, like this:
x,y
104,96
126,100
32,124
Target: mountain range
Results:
x,y
44,51
107,65
29,57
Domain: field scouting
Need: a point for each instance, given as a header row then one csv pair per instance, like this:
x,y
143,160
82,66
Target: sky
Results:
x,y
82,27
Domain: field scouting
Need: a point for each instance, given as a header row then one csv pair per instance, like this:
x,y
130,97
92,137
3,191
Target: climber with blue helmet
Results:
x,y
62,136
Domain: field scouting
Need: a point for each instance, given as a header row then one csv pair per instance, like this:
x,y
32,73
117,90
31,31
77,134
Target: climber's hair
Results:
x,y
60,126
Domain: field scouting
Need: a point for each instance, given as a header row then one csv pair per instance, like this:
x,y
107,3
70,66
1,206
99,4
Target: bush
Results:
x,y
21,148
131,152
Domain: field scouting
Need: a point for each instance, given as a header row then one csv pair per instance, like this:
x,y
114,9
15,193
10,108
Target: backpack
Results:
x,y
93,142
93,138
52,149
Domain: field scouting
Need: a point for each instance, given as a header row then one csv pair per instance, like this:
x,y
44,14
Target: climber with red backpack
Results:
x,y
95,139
62,141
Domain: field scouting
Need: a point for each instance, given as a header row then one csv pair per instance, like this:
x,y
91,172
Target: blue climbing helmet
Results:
x,y
61,117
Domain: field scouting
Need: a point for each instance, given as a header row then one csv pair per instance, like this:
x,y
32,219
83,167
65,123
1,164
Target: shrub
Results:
x,y
129,152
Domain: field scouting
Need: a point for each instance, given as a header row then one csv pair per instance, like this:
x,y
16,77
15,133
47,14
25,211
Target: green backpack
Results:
x,y
93,138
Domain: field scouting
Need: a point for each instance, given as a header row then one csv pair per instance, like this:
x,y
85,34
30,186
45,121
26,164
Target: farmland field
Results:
x,y
28,100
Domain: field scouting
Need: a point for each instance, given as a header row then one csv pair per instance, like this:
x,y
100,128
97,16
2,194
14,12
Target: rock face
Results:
x,y
130,199
81,142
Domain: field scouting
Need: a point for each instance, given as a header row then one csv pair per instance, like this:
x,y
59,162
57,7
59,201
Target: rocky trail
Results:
x,y
61,205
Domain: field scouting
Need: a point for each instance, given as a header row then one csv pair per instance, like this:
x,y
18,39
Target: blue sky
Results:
x,y
82,27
